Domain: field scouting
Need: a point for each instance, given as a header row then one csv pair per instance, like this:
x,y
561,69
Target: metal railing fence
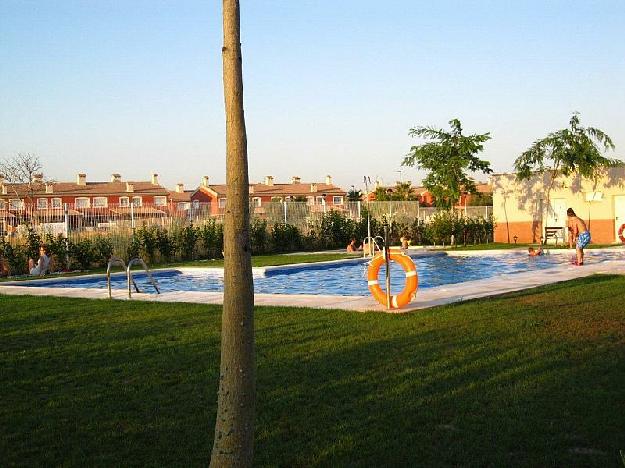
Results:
x,y
118,223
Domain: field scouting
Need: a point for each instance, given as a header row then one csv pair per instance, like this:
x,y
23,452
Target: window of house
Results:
x,y
81,202
257,201
337,200
196,204
160,201
310,200
57,203
42,203
222,203
2,205
137,201
183,205
319,200
100,202
124,201
16,204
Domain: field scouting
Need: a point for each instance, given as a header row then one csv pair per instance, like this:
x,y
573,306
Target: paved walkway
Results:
x,y
425,297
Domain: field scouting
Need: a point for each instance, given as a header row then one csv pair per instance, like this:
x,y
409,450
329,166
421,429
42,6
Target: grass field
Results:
x,y
535,378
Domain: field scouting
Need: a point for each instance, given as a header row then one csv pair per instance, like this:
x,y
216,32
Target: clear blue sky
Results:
x,y
331,86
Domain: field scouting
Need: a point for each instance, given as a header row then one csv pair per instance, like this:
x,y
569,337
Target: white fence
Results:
x,y
119,220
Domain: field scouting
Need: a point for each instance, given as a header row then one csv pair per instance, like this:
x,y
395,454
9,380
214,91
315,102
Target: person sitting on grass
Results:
x,y
352,247
41,267
580,233
532,252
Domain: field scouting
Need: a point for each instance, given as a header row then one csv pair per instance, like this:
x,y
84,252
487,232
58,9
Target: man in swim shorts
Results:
x,y
580,233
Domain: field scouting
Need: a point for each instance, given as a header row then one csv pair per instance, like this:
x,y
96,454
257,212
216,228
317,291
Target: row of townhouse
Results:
x,y
82,194
316,194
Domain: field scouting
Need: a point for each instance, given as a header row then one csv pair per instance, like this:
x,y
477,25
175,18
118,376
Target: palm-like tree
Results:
x,y
448,158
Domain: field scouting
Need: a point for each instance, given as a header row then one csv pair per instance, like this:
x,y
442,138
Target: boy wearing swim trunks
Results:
x,y
580,234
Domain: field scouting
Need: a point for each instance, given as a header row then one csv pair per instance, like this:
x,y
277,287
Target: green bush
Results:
x,y
81,254
259,237
211,236
165,245
134,249
102,250
147,237
58,248
285,238
186,240
16,257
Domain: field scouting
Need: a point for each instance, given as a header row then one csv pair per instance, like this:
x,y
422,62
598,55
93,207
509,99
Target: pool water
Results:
x,y
347,279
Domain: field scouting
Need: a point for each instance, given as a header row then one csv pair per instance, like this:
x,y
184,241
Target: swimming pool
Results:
x,y
342,278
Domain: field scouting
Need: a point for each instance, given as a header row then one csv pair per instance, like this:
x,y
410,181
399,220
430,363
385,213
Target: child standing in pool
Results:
x,y
580,233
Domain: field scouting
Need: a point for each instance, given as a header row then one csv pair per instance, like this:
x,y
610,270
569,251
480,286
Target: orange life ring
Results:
x,y
620,233
412,280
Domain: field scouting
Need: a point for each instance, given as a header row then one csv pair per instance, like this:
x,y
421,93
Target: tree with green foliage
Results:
x,y
448,158
354,195
574,150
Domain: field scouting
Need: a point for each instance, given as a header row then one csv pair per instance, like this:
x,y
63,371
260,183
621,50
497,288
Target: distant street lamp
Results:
x,y
515,238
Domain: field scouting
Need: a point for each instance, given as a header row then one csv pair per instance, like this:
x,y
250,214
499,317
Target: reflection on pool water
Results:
x,y
348,279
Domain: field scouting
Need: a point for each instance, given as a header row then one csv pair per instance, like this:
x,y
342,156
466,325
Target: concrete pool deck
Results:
x,y
425,298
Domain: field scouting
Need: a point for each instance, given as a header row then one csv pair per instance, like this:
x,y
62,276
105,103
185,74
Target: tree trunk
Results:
x,y
234,427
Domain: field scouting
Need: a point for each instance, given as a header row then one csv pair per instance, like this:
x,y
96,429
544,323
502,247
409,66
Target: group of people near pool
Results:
x,y
578,234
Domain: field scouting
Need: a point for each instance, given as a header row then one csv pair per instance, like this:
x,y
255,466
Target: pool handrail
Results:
x,y
139,261
112,262
371,241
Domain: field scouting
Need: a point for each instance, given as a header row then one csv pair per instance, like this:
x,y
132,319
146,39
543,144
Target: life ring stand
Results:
x,y
412,280
621,233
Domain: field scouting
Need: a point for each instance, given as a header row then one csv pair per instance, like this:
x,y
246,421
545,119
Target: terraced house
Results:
x,y
318,195
41,199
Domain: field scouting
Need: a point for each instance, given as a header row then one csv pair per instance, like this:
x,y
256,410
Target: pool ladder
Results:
x,y
118,261
372,241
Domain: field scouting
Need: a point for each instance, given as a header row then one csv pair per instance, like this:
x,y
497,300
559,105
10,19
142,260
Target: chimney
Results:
x,y
180,188
4,189
1,179
251,188
130,187
295,180
154,179
269,180
313,188
81,179
205,181
116,177
328,180
49,188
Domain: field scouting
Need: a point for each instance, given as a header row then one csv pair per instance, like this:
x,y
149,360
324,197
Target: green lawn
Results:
x,y
534,378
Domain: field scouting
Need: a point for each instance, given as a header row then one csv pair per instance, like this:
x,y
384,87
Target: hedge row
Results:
x,y
158,245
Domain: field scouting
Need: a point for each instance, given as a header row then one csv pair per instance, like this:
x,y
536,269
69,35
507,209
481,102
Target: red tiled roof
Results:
x,y
302,189
89,189
178,197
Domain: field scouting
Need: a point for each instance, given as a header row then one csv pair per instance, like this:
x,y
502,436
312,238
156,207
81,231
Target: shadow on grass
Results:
x,y
480,383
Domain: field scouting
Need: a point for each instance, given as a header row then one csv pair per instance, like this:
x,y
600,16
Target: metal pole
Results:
x,y
284,211
387,255
132,217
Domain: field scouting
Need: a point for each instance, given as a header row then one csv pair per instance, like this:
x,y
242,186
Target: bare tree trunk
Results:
x,y
234,427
